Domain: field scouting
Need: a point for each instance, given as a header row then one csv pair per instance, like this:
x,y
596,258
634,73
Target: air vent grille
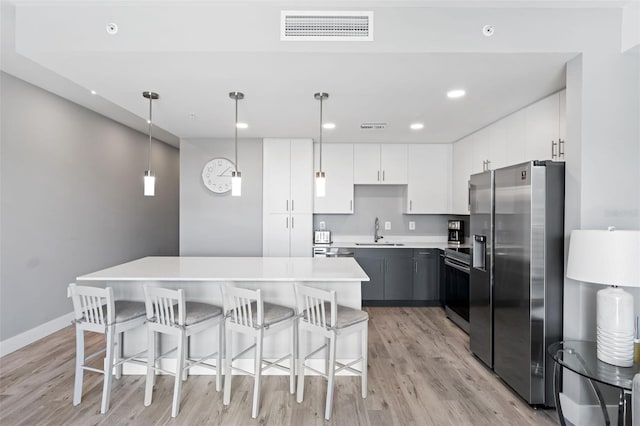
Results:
x,y
326,26
373,126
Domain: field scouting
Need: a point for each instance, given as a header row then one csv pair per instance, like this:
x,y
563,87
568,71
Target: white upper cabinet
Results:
x,y
380,164
481,151
543,129
337,163
462,158
429,179
287,197
515,139
562,122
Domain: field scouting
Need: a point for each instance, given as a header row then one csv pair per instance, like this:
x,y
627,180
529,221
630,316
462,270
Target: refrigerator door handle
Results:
x,y
469,195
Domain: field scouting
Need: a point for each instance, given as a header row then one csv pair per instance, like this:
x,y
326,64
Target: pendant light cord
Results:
x,y
150,125
320,147
236,135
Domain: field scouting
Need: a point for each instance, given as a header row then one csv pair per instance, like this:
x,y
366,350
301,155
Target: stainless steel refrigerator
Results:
x,y
516,279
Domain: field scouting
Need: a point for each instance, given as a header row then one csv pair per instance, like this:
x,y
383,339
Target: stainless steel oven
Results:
x,y
456,287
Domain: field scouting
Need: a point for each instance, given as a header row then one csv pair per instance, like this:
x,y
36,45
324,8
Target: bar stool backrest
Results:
x,y
312,303
88,306
238,305
164,306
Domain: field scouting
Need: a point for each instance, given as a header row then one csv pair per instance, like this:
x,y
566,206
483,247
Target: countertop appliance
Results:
x,y
321,237
456,232
516,280
456,285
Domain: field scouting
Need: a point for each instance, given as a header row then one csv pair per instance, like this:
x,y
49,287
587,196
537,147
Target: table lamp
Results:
x,y
609,257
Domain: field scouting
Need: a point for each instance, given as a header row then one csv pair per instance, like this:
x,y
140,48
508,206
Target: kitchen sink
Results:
x,y
380,244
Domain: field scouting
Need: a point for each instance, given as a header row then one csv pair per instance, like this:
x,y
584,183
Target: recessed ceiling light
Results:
x,y
417,126
93,92
242,125
457,93
329,126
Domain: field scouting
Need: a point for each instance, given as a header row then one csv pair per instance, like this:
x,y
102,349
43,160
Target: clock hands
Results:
x,y
224,173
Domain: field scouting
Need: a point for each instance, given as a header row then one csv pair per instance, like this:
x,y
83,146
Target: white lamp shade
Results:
x,y
321,184
610,257
149,185
236,184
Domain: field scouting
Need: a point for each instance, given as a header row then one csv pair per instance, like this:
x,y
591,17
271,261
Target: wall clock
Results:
x,y
216,175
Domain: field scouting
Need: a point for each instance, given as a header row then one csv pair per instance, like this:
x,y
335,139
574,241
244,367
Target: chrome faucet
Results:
x,y
377,236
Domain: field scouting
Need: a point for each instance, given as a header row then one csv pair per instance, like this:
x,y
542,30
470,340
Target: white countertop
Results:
x,y
419,242
289,269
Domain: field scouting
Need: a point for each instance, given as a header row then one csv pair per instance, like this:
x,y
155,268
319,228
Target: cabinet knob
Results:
x,y
383,175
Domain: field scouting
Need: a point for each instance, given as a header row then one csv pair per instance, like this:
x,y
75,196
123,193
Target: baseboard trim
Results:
x,y
246,364
21,340
585,415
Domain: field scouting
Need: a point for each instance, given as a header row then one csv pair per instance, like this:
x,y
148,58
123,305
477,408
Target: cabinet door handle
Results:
x,y
415,266
383,175
287,205
424,252
410,205
488,162
350,205
292,208
561,148
378,175
286,222
469,195
554,144
292,223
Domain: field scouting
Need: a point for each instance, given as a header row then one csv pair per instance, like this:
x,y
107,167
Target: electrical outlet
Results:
x,y
322,225
387,226
412,226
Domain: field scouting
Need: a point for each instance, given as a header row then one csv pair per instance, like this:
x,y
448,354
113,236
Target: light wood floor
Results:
x,y
420,373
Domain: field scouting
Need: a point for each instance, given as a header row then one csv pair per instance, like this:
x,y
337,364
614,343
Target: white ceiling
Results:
x,y
194,62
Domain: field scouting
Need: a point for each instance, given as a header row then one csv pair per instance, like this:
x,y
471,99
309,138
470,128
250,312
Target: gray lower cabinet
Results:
x,y
426,282
399,277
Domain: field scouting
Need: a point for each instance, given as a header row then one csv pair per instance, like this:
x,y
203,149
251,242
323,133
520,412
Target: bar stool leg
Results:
x,y
219,357
330,374
301,355
178,382
187,355
292,359
77,389
257,375
119,354
327,342
108,366
364,335
151,363
228,374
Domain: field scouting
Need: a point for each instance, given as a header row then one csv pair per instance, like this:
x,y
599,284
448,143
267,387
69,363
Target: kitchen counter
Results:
x,y
392,241
202,279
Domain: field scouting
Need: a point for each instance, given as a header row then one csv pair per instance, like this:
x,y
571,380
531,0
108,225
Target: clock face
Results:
x,y
216,175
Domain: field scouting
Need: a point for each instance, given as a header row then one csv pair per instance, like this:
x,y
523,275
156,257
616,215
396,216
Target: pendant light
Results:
x,y
320,176
149,178
236,176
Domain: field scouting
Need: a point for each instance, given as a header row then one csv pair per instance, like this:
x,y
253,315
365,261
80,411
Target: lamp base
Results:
x,y
614,331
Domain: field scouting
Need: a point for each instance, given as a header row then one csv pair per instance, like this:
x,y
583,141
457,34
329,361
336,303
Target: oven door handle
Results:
x,y
456,266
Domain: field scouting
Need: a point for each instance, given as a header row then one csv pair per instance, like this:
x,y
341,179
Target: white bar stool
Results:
x,y
248,314
96,310
320,315
169,313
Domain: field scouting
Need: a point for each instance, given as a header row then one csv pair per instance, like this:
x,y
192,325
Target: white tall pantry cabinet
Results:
x,y
287,197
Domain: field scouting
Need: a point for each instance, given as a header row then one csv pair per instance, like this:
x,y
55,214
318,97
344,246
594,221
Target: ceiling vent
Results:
x,y
326,26
373,126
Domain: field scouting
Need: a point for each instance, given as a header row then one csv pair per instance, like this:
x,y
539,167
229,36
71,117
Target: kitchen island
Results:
x,y
202,278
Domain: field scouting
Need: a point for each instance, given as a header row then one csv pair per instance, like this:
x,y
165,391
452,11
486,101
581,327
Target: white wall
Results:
x,y
72,201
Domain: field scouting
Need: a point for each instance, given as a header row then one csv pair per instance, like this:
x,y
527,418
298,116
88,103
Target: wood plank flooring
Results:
x,y
420,373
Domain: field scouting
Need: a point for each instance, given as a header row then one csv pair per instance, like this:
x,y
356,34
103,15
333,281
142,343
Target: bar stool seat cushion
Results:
x,y
125,310
272,313
197,312
346,316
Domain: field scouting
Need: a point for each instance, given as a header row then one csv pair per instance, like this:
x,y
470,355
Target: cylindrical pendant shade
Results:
x,y
236,184
321,184
149,184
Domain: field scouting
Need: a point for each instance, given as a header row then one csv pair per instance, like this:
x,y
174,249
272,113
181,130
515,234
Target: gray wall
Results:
x,y
72,203
219,224
386,202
